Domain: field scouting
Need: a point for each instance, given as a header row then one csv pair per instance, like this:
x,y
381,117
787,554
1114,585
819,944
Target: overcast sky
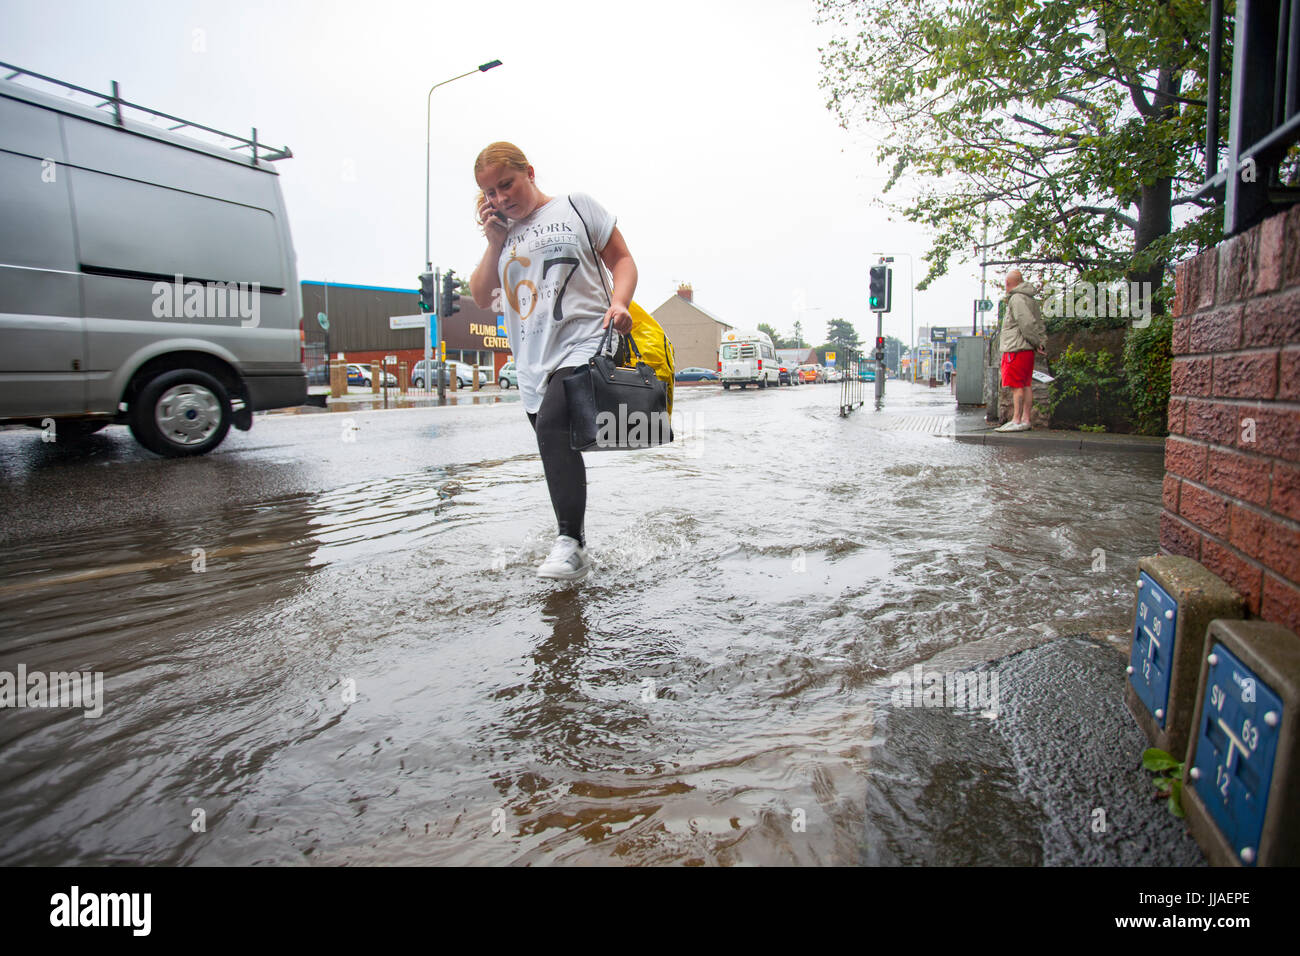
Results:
x,y
699,123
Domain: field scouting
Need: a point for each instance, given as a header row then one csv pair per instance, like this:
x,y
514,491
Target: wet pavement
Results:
x,y
324,643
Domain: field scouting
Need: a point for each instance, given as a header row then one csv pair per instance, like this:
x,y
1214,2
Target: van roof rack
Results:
x,y
113,103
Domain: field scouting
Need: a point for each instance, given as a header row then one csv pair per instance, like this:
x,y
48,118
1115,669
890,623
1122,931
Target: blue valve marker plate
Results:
x,y
1152,652
1235,748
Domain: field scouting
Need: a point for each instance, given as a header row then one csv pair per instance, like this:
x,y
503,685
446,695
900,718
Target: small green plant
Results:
x,y
1091,377
1092,428
1169,782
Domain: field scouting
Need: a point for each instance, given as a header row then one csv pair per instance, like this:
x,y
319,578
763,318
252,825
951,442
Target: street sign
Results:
x,y
416,321
985,305
939,335
324,320
1151,656
1240,762
1236,724
830,359
390,359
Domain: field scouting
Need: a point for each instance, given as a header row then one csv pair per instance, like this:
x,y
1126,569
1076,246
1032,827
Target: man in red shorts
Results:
x,y
1023,333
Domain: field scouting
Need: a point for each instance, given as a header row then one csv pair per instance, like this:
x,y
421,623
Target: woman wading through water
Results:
x,y
541,270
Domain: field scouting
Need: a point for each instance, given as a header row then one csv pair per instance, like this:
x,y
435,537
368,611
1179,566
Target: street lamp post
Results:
x,y
428,156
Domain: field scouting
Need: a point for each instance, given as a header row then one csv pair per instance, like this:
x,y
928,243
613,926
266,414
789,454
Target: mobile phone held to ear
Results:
x,y
500,215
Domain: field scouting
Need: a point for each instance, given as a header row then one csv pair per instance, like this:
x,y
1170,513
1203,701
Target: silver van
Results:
x,y
426,370
146,278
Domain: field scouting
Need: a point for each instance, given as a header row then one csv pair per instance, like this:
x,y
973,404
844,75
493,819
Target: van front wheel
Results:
x,y
181,413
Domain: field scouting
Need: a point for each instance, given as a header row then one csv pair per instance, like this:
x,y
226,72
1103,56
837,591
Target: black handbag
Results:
x,y
612,406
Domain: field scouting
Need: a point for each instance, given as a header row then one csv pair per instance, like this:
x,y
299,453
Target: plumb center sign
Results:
x,y
493,336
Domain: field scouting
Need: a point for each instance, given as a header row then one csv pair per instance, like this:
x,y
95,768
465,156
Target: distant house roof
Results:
x,y
691,303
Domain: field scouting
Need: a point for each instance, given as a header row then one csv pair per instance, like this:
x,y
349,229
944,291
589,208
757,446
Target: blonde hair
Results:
x,y
498,154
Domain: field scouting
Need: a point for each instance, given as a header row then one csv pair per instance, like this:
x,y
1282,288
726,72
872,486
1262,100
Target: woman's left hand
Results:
x,y
621,317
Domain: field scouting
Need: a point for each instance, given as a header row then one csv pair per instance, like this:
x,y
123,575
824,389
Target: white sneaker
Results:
x,y
1010,426
568,560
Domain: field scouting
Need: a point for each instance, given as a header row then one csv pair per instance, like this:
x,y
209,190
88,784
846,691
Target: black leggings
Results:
x,y
566,473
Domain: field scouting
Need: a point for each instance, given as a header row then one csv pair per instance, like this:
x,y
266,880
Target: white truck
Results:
x,y
747,358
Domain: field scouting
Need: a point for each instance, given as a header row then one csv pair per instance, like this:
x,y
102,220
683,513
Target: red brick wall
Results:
x,y
1232,459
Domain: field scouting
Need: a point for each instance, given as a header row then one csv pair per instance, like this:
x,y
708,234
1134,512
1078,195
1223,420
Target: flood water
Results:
x,y
367,671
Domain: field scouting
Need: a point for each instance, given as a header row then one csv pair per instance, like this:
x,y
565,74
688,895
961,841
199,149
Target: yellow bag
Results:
x,y
652,342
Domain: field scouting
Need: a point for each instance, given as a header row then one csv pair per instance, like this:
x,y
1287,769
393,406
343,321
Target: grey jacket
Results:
x,y
1022,321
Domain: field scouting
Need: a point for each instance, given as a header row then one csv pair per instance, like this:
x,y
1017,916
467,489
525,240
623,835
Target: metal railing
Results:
x,y
1263,110
852,388
113,103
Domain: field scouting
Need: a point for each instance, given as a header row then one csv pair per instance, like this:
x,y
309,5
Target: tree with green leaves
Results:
x,y
1072,129
842,332
778,342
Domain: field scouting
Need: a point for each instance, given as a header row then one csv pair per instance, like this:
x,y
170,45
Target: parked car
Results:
x,y
362,375
147,279
695,374
508,377
465,373
424,372
783,376
807,374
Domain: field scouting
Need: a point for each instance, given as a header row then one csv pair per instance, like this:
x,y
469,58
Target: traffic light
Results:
x,y
881,286
450,297
880,348
428,294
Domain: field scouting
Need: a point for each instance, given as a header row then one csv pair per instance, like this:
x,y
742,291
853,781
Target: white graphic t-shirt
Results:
x,y
553,298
